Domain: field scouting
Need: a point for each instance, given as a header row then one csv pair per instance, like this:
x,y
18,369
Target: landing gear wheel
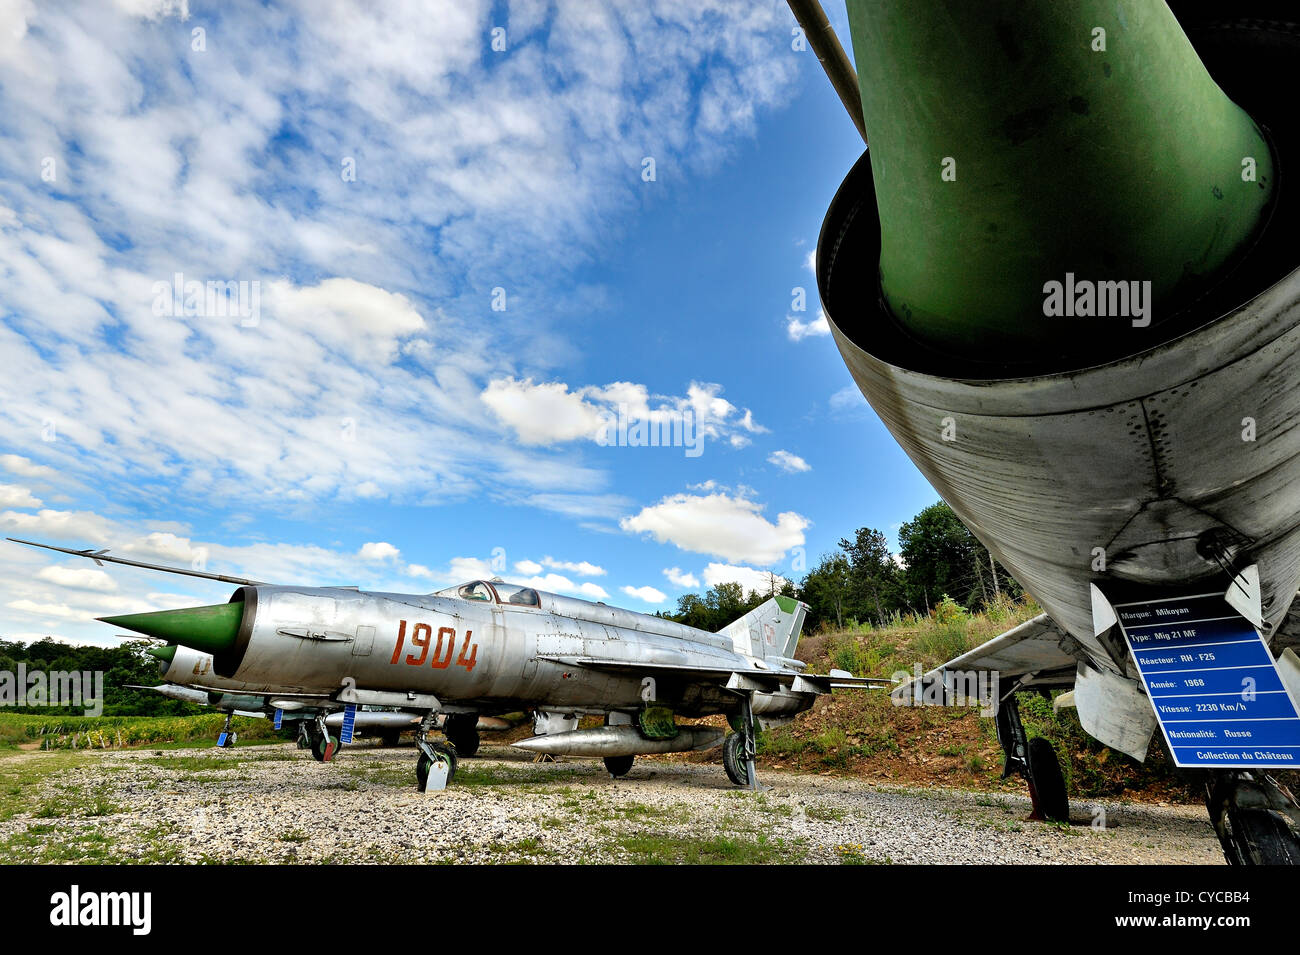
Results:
x,y
733,759
1048,785
324,749
1260,837
390,739
446,753
1253,816
619,766
461,730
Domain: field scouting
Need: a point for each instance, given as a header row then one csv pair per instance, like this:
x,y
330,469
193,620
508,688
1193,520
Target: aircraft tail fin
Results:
x,y
769,630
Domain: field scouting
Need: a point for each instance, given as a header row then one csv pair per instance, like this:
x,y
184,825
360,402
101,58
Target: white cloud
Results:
x,y
848,397
155,9
469,568
25,467
550,413
544,413
788,462
582,568
647,594
78,578
727,526
679,578
467,176
378,550
798,329
752,580
48,523
14,495
461,569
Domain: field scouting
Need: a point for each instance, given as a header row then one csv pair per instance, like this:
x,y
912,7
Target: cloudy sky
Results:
x,y
377,294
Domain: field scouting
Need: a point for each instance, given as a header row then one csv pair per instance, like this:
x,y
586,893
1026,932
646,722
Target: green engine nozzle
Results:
x,y
1015,142
211,629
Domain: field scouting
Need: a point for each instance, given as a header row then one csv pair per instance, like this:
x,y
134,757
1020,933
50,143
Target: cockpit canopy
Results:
x,y
496,591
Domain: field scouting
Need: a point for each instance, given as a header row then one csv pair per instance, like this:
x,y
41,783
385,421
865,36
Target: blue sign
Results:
x,y
1213,683
279,718
349,723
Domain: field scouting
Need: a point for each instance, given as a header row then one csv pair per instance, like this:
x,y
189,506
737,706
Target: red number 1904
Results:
x,y
422,639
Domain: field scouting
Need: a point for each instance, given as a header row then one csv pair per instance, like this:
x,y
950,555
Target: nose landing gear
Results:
x,y
315,736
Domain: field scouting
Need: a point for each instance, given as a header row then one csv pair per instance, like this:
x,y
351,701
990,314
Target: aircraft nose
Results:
x,y
210,629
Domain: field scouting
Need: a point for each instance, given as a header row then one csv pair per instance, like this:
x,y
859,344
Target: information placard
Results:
x,y
1213,683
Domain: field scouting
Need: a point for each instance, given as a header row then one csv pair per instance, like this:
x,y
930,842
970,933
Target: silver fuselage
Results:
x,y
482,654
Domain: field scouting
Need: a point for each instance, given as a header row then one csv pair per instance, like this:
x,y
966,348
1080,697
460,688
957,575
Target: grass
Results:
x,y
824,814
21,778
120,732
76,802
481,775
648,849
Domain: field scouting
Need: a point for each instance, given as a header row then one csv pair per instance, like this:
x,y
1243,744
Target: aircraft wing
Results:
x,y
763,680
1031,651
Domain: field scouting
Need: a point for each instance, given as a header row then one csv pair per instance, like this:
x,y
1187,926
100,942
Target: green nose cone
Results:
x,y
163,655
208,629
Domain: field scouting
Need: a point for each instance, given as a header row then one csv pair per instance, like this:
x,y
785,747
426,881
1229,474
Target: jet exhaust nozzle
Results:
x,y
1020,149
621,741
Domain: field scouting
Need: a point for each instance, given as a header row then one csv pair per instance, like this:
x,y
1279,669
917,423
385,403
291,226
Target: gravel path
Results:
x,y
275,804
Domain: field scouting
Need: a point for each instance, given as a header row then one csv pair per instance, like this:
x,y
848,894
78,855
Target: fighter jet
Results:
x,y
1064,275
488,646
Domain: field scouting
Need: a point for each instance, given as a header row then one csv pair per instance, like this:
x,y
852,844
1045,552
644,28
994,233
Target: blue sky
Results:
x,y
456,267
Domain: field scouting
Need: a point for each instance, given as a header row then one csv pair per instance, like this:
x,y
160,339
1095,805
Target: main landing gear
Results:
x,y
739,749
1035,760
1254,817
461,730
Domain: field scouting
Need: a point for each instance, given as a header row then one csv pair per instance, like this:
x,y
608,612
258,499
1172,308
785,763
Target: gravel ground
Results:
x,y
274,804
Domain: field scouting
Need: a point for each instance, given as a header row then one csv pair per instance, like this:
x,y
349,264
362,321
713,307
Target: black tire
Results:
x,y
320,748
733,759
1261,837
461,730
390,738
619,766
1048,782
423,765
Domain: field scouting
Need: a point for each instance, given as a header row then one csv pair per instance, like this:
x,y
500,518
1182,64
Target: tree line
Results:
x,y
862,581
121,665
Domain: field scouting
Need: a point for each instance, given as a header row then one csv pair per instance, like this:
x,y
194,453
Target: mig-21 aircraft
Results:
x,y
488,646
